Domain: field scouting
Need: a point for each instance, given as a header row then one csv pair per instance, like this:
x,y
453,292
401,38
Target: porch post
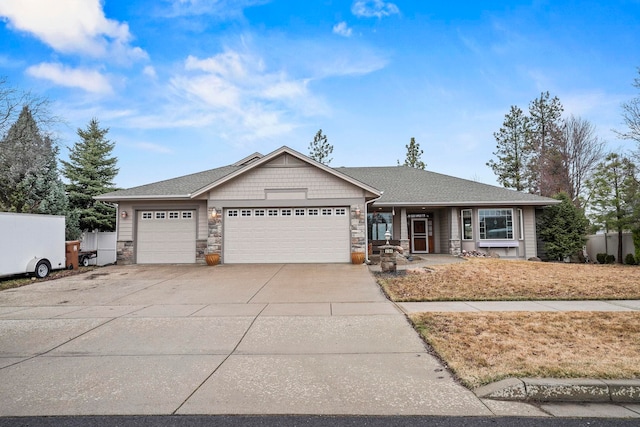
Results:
x,y
454,233
404,231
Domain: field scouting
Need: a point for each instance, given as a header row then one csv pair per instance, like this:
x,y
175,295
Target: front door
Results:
x,y
421,235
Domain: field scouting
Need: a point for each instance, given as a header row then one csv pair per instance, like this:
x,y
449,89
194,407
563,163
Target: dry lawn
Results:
x,y
484,347
494,279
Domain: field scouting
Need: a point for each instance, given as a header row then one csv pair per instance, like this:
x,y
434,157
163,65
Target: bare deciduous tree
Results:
x,y
631,116
582,150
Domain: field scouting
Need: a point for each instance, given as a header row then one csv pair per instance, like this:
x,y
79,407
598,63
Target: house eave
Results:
x,y
146,197
468,203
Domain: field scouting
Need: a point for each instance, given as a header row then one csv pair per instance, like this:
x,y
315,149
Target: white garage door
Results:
x,y
287,235
166,237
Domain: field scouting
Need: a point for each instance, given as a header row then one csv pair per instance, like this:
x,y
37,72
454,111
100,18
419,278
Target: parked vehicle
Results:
x,y
32,244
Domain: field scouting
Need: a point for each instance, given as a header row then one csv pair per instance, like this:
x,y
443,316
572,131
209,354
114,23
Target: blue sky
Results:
x,y
189,85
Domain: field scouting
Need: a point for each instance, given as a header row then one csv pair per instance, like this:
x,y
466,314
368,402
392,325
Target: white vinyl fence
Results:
x,y
104,243
608,243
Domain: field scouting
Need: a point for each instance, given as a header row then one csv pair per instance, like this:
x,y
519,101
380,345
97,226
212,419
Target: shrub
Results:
x,y
610,259
630,259
601,258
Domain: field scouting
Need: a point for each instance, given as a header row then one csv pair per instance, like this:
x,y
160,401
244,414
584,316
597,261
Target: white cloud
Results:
x,y
71,26
149,71
155,148
373,8
223,9
89,80
342,29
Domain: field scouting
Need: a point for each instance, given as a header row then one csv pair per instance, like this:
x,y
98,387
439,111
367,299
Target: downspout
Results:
x,y
366,227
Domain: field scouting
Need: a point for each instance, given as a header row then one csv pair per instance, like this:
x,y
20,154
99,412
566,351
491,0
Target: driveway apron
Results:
x,y
230,339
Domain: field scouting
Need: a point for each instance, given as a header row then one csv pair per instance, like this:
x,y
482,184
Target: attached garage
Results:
x,y
286,235
166,237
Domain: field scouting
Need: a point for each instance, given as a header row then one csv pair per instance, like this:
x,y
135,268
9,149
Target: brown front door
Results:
x,y
421,235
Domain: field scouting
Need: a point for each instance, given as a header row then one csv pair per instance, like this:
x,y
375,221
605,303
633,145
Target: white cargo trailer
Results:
x,y
31,244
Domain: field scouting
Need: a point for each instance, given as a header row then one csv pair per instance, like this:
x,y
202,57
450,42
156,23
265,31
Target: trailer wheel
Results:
x,y
84,261
42,269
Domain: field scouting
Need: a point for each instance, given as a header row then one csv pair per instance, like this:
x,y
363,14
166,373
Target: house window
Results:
x,y
272,212
520,224
187,215
378,224
467,226
495,224
313,211
327,211
245,212
174,215
341,211
161,215
299,212
258,212
285,212
147,215
232,212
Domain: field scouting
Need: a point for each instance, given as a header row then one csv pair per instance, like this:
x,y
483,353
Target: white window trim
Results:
x,y
520,224
493,238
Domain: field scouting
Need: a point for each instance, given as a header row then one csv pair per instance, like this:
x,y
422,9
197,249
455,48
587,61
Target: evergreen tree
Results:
x,y
513,152
91,170
546,165
29,178
320,149
562,228
613,197
413,155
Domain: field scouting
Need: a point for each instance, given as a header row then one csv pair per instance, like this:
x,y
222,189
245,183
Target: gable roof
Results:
x,y
404,185
194,185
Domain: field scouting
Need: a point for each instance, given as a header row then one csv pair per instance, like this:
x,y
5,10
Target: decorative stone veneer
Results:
x,y
358,243
201,250
124,252
455,247
404,243
214,236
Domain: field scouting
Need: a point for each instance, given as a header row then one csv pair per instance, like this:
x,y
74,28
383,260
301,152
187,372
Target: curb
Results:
x,y
562,390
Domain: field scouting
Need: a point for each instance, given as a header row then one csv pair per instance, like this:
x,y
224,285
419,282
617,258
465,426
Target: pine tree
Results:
x,y
563,228
320,149
29,177
513,152
546,165
413,155
91,170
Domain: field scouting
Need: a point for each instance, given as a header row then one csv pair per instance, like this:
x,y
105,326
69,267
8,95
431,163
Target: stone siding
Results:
x,y
125,252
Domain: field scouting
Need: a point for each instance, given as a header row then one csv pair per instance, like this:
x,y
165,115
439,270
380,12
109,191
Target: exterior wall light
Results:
x,y
214,213
124,214
358,211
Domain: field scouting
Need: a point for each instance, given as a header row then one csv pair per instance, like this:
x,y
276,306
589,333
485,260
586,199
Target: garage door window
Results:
x,y
147,215
187,215
259,212
285,212
272,212
313,212
232,212
299,212
327,211
341,211
245,212
174,215
161,215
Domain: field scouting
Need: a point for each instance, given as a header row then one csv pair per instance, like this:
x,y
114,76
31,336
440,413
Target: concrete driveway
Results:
x,y
232,339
